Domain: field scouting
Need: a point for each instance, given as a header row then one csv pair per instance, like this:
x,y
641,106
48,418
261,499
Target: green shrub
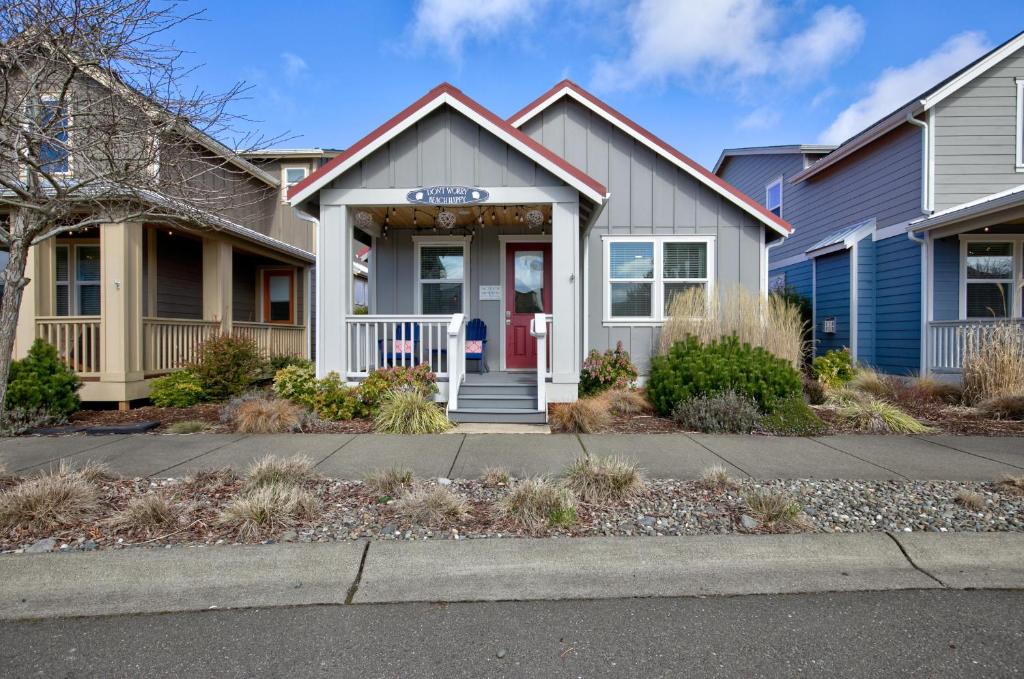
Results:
x,y
179,389
409,412
724,413
375,388
691,369
227,366
834,368
360,309
43,382
334,400
298,384
611,370
281,361
18,421
793,417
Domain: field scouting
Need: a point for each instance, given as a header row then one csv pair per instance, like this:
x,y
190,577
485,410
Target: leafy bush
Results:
x,y
335,400
834,368
1003,407
994,362
298,384
180,389
724,413
611,370
227,366
793,417
281,361
583,416
814,391
381,382
43,382
410,412
691,369
17,421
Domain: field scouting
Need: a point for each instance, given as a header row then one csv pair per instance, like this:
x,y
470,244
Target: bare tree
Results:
x,y
97,125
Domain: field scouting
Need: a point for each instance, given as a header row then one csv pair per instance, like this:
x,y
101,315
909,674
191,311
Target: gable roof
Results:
x,y
446,94
568,88
805,149
994,202
916,106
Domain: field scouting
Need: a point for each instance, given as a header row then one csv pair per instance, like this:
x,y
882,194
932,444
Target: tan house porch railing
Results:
x,y
170,343
273,339
77,339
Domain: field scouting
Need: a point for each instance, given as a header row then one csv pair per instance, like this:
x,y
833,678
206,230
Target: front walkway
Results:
x,y
680,456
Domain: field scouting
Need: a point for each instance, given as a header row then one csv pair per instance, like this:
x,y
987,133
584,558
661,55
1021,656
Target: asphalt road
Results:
x,y
908,633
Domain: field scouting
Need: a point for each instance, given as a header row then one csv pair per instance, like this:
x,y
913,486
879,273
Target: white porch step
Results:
x,y
516,415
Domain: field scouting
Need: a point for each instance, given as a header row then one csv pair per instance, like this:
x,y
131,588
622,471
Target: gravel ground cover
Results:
x,y
350,510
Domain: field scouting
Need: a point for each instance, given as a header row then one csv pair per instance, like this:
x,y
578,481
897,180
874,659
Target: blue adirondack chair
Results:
x,y
402,348
476,331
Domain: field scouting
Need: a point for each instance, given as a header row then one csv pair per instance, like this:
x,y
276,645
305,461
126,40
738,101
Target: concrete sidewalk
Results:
x,y
679,456
510,569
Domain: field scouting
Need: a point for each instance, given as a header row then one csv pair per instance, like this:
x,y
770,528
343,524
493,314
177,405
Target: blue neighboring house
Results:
x,y
908,236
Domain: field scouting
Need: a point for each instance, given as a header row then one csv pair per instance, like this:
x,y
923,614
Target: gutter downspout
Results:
x,y
925,242
767,259
926,178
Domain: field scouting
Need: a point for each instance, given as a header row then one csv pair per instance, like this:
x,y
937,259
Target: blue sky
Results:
x,y
701,75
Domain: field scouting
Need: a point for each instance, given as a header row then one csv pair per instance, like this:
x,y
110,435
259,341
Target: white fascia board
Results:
x,y
974,208
982,65
771,151
618,124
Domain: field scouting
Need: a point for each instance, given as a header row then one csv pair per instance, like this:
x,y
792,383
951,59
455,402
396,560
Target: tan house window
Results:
x,y
290,176
278,296
77,280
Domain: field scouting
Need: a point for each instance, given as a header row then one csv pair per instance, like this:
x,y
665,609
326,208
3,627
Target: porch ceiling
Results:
x,y
466,216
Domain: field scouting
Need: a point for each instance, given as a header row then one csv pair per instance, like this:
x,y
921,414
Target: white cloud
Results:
x,y
449,23
294,65
823,96
897,85
762,118
730,41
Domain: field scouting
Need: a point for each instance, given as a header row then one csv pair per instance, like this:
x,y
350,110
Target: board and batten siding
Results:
x,y
649,196
976,136
832,276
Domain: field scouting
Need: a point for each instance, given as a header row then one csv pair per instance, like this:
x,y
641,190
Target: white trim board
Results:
x,y
418,243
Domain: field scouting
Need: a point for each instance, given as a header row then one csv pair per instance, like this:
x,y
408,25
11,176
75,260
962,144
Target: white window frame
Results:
x,y
285,185
1017,242
767,192
55,98
426,241
80,284
72,283
67,284
1019,140
658,316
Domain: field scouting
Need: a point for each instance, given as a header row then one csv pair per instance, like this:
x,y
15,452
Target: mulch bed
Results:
x,y
207,412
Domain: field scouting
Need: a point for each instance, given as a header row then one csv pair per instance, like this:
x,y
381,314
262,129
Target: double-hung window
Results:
x,y
77,280
442,275
54,157
290,176
773,197
990,270
645,273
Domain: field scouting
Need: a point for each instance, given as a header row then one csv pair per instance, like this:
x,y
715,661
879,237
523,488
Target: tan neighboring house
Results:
x,y
126,302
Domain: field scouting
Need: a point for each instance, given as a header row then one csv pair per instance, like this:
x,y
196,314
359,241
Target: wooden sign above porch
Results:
x,y
447,195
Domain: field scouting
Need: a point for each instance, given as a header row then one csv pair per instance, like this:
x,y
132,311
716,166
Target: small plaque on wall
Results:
x,y
490,292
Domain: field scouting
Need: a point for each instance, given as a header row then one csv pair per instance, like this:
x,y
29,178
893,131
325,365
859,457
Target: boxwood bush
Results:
x,y
691,369
42,382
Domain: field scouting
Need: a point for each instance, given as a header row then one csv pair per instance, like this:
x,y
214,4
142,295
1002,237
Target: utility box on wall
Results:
x,y
828,325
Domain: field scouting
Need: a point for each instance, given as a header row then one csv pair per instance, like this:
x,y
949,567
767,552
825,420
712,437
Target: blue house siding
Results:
x,y
798,276
946,279
898,305
866,301
832,298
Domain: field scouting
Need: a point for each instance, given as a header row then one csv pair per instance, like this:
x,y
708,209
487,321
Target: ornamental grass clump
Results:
x,y
1003,407
626,402
878,417
272,470
773,509
268,416
493,477
61,498
993,364
604,480
147,512
437,506
263,510
410,412
389,482
582,416
534,504
716,477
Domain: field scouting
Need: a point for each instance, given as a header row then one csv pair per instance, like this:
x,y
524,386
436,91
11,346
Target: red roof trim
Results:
x,y
666,147
446,88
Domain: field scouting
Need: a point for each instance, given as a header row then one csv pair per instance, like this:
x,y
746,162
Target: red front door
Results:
x,y
527,292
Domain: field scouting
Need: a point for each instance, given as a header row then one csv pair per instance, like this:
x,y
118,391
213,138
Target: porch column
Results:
x,y
217,283
565,301
38,297
121,303
333,289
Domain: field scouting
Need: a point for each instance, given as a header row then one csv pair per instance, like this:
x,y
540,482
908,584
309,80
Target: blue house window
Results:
x,y
989,268
773,197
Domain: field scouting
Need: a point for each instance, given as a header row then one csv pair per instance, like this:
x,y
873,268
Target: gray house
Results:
x,y
909,236
565,228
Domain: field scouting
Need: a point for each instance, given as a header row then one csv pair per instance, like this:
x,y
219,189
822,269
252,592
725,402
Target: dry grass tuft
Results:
x,y
604,480
186,427
773,509
49,501
769,322
271,470
266,509
268,416
583,416
389,482
932,390
878,417
148,511
496,476
410,412
993,362
437,506
969,500
626,402
208,480
716,477
1012,485
534,504
1003,407
92,472
869,381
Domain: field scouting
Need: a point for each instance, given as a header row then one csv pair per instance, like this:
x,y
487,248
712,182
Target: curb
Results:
x,y
516,569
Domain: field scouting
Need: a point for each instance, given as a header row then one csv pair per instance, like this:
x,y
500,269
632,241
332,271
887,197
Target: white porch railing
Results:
x,y
456,358
539,329
398,340
77,339
170,343
947,339
273,339
549,322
